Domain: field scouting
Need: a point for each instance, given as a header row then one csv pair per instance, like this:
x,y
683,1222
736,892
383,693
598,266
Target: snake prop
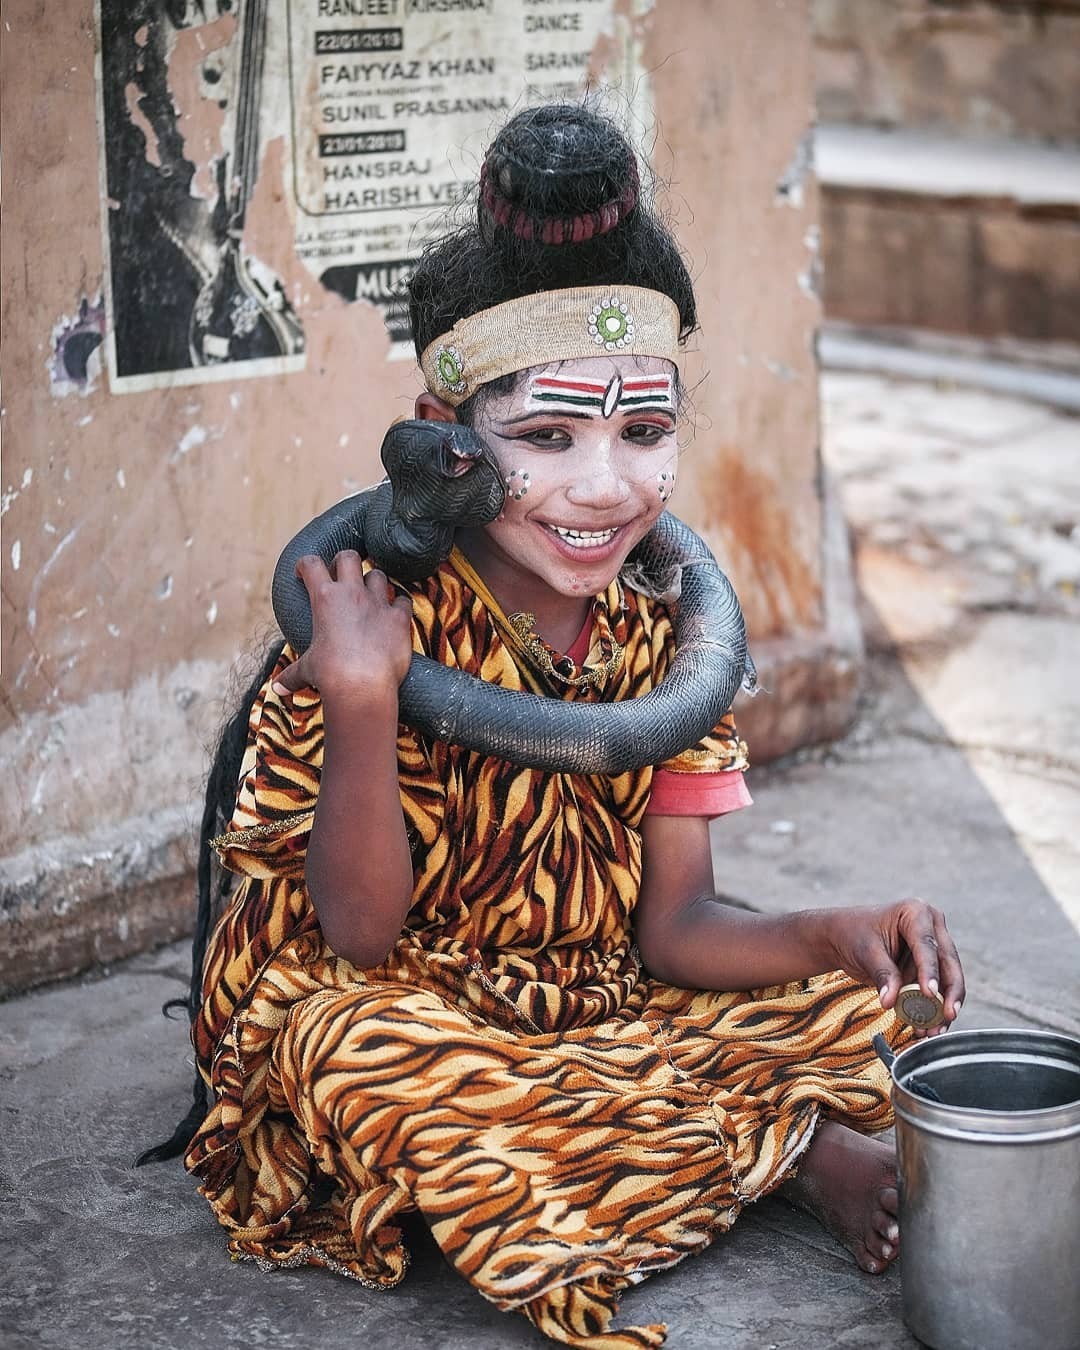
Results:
x,y
440,476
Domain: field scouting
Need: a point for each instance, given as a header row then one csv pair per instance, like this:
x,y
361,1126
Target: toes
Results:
x,y
876,1254
889,1200
886,1227
880,1249
882,1242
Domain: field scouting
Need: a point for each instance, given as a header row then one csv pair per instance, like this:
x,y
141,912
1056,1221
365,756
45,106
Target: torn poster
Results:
x,y
378,111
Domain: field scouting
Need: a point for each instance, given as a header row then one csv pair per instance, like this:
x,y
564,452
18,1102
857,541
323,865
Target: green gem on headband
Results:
x,y
450,369
611,325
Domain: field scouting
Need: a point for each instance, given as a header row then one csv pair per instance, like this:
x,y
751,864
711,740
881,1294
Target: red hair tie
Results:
x,y
558,229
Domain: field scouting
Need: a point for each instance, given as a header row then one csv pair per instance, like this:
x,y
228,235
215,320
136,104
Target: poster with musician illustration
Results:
x,y
252,147
189,295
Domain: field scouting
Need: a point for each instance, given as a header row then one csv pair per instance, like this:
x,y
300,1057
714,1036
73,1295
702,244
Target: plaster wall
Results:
x,y
140,529
1002,68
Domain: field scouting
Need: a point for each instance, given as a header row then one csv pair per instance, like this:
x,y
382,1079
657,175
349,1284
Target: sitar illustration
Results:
x,y
241,312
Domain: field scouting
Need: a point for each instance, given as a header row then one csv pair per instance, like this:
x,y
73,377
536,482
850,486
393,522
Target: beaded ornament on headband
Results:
x,y
550,326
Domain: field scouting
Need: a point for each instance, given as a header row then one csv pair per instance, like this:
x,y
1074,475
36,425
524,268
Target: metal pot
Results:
x,y
988,1140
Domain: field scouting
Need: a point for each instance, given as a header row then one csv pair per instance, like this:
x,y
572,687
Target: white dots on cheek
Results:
x,y
517,484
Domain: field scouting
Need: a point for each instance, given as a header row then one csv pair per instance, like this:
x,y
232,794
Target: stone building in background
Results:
x,y
948,151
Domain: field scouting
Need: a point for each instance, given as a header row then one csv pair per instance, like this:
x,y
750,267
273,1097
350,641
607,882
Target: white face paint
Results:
x,y
582,445
517,483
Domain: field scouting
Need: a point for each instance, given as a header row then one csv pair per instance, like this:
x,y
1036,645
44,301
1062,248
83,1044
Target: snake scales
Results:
x,y
441,476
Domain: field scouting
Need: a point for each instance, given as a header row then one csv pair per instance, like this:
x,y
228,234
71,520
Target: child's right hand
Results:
x,y
361,641
888,946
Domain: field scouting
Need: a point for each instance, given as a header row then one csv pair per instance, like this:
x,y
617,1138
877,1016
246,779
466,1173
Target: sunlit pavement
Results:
x,y
960,780
968,553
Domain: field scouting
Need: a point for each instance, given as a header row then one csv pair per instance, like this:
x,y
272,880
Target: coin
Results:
x,y
918,1009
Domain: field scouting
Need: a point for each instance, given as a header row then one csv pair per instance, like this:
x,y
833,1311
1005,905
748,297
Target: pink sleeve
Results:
x,y
697,794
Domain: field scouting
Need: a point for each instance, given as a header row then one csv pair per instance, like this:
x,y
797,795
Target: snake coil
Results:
x,y
441,476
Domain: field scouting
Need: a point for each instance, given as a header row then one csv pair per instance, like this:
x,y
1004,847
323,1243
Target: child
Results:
x,y
502,996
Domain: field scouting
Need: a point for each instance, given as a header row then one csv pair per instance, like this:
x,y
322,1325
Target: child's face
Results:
x,y
588,454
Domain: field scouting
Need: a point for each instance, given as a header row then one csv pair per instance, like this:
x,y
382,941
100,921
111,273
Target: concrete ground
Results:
x,y
960,782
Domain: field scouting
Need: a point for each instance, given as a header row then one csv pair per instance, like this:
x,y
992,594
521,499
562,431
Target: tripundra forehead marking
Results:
x,y
622,393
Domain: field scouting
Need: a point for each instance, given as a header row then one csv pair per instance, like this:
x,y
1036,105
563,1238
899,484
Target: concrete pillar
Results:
x,y
141,528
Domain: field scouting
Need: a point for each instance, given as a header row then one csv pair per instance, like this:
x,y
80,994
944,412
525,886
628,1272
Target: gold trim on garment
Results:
x,y
234,837
709,761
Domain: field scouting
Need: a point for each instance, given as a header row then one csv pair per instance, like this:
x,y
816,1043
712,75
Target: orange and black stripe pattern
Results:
x,y
565,1124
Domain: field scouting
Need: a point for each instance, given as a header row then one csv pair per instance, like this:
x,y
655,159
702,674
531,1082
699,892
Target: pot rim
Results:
x,y
987,1044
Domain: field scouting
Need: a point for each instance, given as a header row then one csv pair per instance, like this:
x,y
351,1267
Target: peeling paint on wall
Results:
x,y
192,437
11,494
780,369
74,362
809,279
791,183
46,568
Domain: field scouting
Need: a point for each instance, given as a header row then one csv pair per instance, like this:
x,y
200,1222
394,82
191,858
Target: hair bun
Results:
x,y
563,175
558,174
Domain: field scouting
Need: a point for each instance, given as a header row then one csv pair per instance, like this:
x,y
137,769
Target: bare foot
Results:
x,y
848,1183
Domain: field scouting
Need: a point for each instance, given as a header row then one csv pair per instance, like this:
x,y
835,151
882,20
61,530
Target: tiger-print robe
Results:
x,y
564,1123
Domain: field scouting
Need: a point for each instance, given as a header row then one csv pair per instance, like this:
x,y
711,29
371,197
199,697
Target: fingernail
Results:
x,y
956,1008
279,688
932,985
883,991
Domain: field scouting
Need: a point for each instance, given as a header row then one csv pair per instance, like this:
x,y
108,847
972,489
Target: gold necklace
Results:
x,y
560,667
519,631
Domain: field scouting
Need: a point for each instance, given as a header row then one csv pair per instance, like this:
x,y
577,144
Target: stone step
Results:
x,y
1040,372
950,234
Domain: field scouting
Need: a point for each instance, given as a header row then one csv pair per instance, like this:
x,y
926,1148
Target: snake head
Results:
x,y
441,472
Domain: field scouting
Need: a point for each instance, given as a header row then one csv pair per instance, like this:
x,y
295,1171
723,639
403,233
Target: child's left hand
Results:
x,y
893,945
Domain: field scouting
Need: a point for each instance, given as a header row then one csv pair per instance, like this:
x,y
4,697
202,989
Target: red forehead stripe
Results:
x,y
644,382
598,387
578,386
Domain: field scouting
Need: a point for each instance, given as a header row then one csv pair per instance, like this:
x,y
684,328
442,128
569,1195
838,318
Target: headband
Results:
x,y
550,326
